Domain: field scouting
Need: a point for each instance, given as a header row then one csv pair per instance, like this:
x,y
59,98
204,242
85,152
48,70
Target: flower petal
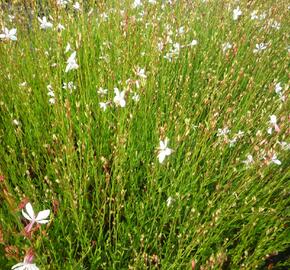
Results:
x,y
29,210
42,215
26,216
161,156
167,151
18,266
44,221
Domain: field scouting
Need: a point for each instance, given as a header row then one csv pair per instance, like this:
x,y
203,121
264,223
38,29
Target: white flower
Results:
x,y
62,2
273,123
260,47
15,122
9,34
193,43
163,150
160,46
223,132
262,16
276,25
232,142
273,120
270,130
40,218
237,13
278,88
181,30
60,27
44,24
104,105
11,17
254,15
279,92
51,101
141,73
136,97
67,48
226,46
71,62
137,3
102,91
77,6
119,98
27,263
25,266
152,1
249,160
275,160
69,86
169,201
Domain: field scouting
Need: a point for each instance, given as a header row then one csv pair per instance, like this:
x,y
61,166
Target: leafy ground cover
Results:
x,y
144,134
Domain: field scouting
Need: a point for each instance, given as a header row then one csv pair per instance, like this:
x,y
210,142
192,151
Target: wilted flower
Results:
x,y
163,150
44,24
9,34
71,62
119,98
237,13
40,218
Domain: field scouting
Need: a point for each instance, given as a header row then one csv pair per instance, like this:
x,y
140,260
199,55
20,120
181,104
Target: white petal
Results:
x,y
2,35
26,216
162,145
161,156
116,91
33,267
167,151
13,31
18,266
122,103
277,161
44,221
29,210
42,215
72,57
